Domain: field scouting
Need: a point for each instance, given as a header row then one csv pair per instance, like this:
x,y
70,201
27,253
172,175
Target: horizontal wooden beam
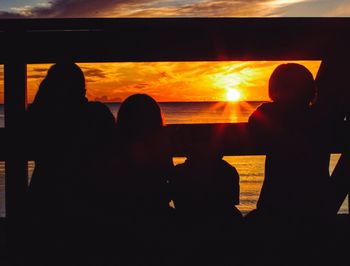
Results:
x,y
171,39
229,138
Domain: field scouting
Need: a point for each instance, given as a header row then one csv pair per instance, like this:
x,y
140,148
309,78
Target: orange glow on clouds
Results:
x,y
171,81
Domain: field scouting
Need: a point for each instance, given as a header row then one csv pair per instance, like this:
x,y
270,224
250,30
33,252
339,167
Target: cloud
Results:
x,y
102,98
37,72
115,99
35,76
141,85
40,69
68,8
73,8
204,8
153,8
93,73
5,14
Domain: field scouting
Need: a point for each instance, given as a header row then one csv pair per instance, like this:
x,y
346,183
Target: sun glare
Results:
x,y
233,95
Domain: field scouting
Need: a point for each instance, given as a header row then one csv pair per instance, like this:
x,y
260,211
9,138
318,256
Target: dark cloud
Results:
x,y
36,72
89,80
70,8
35,76
91,73
40,69
164,75
4,15
73,8
102,98
116,99
141,85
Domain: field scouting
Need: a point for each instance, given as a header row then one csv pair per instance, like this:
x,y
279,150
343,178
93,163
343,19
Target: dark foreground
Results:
x,y
96,243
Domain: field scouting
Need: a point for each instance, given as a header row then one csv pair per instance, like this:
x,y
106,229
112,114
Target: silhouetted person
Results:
x,y
65,130
296,178
295,192
206,185
144,155
333,113
205,191
143,178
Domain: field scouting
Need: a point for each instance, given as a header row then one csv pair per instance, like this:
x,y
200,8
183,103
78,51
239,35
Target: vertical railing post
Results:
x,y
15,100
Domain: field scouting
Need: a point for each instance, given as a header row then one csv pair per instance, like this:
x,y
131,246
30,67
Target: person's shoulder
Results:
x,y
259,111
266,108
228,168
98,109
265,112
97,106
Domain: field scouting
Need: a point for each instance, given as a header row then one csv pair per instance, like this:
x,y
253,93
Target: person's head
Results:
x,y
63,84
292,85
139,117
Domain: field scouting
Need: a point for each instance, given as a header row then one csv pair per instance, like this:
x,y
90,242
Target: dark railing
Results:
x,y
142,40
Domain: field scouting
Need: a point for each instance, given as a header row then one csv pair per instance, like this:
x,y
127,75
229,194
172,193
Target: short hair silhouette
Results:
x,y
63,83
139,116
296,168
292,84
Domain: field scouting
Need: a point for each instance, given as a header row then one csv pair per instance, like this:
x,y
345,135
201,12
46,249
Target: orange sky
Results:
x,y
170,81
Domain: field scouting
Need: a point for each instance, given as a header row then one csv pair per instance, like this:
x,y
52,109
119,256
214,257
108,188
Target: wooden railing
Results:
x,y
141,40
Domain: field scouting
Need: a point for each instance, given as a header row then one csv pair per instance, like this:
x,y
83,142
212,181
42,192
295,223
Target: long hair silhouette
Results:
x,y
64,85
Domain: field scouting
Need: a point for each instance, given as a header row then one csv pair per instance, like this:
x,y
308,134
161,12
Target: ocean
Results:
x,y
250,168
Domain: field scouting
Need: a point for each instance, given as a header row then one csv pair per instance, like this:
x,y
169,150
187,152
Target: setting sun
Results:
x,y
233,95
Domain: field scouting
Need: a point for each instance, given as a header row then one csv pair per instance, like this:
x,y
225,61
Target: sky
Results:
x,y
171,8
176,81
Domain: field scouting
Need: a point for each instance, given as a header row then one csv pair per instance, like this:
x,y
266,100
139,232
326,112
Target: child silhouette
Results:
x,y
205,185
296,173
